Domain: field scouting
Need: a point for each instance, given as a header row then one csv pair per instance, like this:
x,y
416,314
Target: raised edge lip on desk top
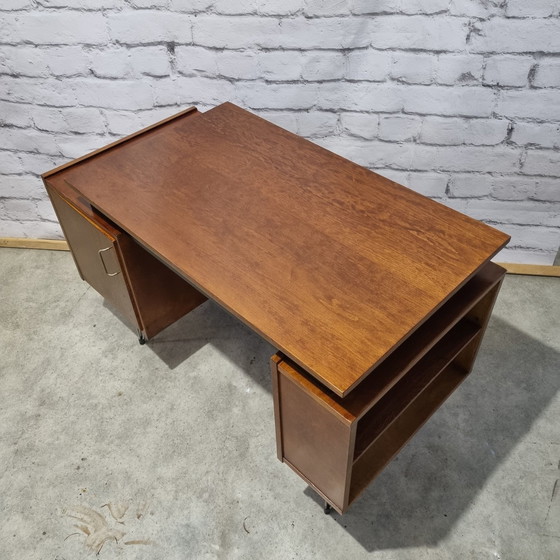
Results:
x,y
247,177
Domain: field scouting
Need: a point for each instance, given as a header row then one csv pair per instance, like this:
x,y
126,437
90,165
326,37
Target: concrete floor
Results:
x,y
168,449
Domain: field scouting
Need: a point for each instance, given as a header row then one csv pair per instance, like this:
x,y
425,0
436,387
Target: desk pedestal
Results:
x,y
339,445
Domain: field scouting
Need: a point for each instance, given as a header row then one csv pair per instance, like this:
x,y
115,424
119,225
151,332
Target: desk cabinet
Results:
x,y
339,445
145,293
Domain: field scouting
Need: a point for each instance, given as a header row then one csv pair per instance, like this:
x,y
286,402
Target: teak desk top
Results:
x,y
333,264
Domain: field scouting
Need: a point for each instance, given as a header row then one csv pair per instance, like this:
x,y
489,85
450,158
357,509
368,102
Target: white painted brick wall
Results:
x,y
457,99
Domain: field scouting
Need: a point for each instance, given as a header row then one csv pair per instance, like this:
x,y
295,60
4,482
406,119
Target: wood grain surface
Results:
x,y
331,263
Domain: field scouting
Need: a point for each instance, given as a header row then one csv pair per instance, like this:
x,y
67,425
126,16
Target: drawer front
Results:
x,y
95,253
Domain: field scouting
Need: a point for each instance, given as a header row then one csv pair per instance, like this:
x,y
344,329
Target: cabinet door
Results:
x,y
94,249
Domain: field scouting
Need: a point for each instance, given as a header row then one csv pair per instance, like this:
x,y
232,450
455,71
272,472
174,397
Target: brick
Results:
x,y
413,68
417,32
368,65
396,175
526,212
428,184
239,65
369,153
533,104
28,140
113,94
322,33
535,8
192,61
438,130
486,132
453,131
547,190
378,7
39,163
60,28
38,91
80,119
34,229
466,158
410,7
236,32
534,237
360,97
468,186
473,8
20,186
513,187
508,70
525,256
436,100
15,5
67,61
190,6
42,62
424,6
360,124
544,135
547,74
459,69
398,128
326,7
111,63
18,209
235,7
81,4
194,91
542,162
45,211
23,61
122,122
72,146
316,123
275,8
50,119
277,96
10,162
15,114
323,66
149,3
280,65
510,36
283,119
150,61
149,26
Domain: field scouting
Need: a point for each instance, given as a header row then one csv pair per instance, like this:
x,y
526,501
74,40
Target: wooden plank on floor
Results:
x,y
532,269
28,243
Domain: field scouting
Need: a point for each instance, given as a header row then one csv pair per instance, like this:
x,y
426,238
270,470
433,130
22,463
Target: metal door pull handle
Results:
x,y
100,252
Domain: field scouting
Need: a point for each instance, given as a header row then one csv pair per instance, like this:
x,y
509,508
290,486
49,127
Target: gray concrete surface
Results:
x,y
168,449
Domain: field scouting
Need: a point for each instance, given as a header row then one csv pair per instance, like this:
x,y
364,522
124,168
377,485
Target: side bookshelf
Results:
x,y
339,445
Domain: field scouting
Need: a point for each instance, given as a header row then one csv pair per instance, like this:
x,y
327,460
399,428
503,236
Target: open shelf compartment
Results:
x,y
339,445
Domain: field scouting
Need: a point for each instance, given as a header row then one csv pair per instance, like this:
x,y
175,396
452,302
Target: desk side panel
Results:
x,y
314,442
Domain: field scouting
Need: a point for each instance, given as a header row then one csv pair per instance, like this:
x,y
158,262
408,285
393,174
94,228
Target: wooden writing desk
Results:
x,y
375,296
